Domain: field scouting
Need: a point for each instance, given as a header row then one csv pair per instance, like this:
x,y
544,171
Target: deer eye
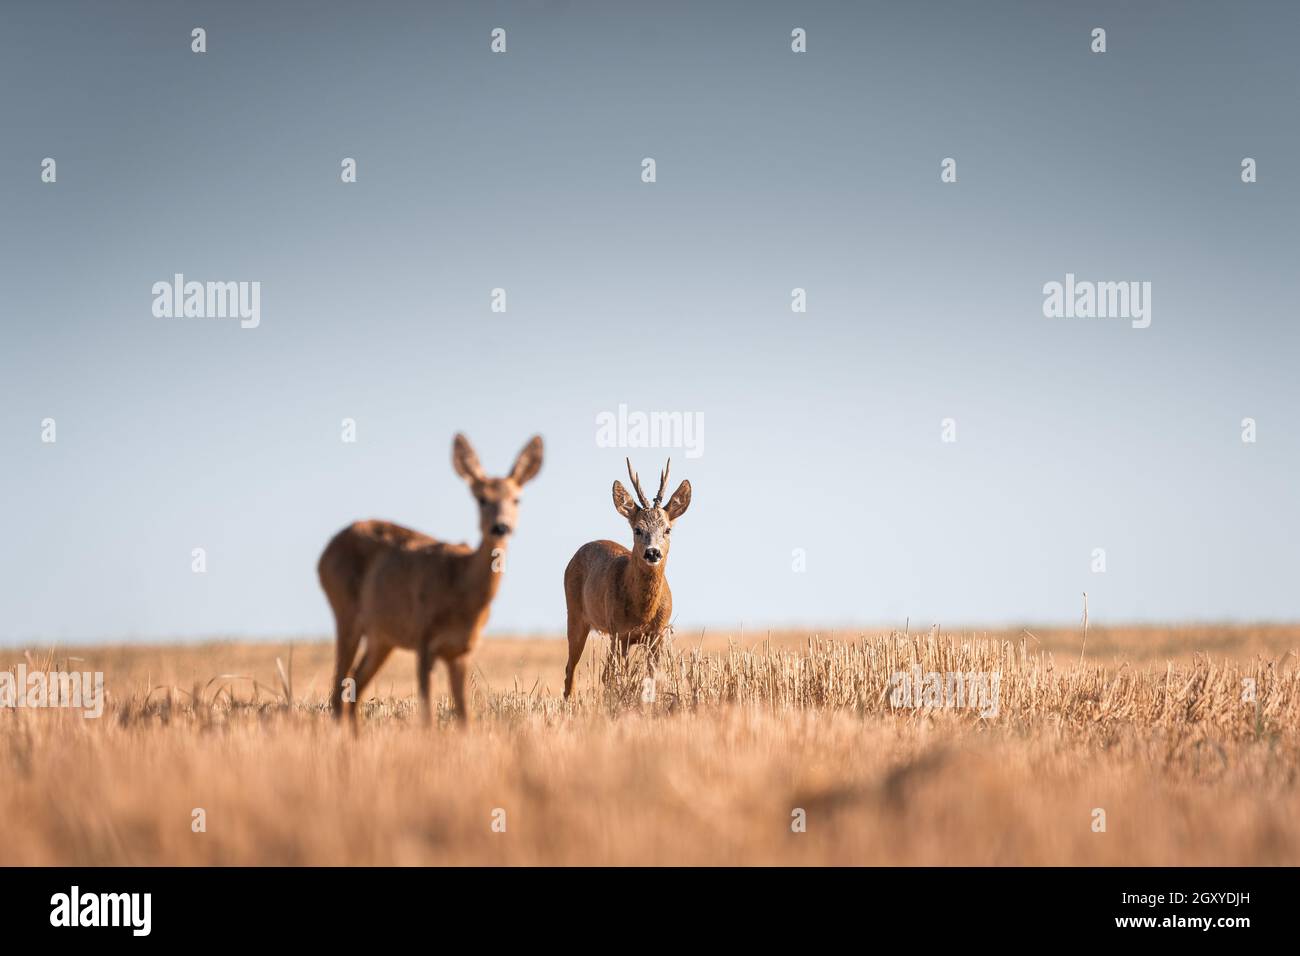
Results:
x,y
668,530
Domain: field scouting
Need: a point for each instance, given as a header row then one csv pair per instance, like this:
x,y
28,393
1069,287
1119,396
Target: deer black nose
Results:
x,y
501,529
653,555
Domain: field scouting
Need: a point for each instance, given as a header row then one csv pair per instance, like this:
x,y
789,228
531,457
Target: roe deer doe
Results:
x,y
401,588
624,593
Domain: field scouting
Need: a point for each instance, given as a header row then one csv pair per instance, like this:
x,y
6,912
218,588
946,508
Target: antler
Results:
x,y
663,482
636,485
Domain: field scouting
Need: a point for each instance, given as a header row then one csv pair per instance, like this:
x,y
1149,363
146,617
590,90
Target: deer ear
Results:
x,y
464,460
623,502
529,462
679,502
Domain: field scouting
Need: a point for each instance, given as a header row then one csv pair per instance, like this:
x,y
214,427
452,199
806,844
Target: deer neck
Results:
x,y
645,587
482,571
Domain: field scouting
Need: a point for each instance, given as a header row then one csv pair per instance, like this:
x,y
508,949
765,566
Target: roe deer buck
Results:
x,y
401,588
624,593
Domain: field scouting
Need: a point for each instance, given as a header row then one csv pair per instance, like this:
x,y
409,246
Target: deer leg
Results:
x,y
620,645
624,648
652,654
345,653
457,671
578,631
423,670
373,659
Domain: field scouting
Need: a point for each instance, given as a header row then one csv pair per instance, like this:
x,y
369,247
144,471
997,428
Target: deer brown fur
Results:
x,y
400,588
622,592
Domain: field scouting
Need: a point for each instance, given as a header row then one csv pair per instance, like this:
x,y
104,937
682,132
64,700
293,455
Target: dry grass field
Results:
x,y
744,730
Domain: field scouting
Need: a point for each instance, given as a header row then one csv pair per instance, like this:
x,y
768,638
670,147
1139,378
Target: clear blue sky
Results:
x,y
775,171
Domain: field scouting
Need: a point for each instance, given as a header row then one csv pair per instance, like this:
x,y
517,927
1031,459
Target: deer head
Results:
x,y
498,498
651,524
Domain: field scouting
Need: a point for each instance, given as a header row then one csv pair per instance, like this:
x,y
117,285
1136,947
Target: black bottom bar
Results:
x,y
364,906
